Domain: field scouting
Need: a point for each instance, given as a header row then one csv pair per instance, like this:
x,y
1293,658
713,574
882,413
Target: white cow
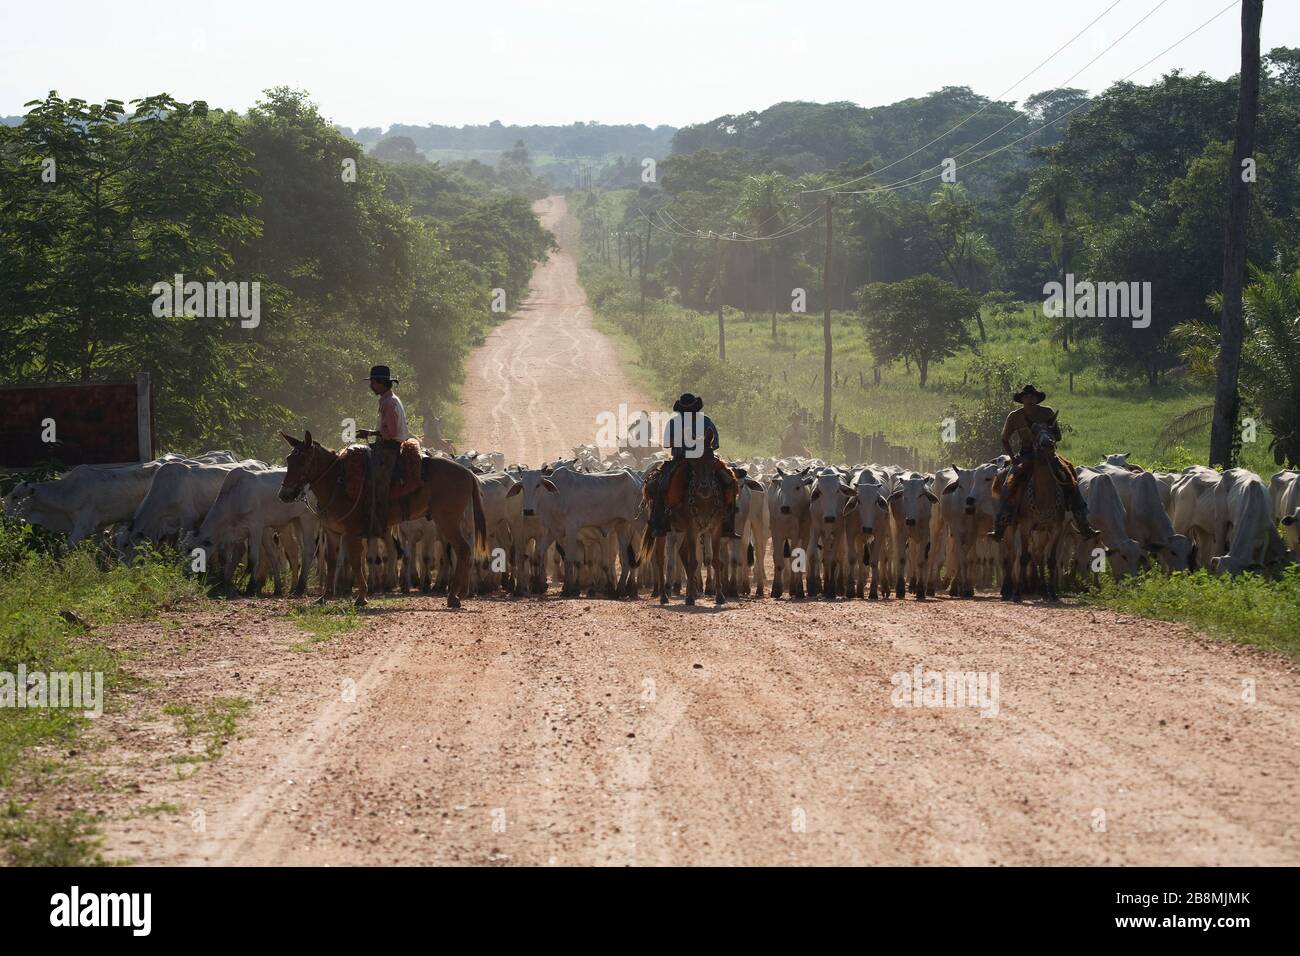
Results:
x,y
787,508
870,536
966,510
246,514
909,508
1250,531
179,496
828,507
1284,490
1147,514
1106,513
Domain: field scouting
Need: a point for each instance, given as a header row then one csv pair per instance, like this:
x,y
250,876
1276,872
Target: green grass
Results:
x,y
29,839
216,721
1245,609
765,378
35,587
322,622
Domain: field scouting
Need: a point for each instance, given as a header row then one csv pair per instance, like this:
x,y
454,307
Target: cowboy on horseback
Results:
x,y
689,433
386,450
1020,423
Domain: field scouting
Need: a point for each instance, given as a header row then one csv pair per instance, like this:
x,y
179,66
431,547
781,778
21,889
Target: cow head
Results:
x,y
910,503
870,500
832,496
790,492
533,483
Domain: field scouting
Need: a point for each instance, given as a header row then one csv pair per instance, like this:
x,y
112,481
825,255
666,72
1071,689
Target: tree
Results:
x,y
1234,251
923,319
966,251
766,205
1052,206
397,149
1270,361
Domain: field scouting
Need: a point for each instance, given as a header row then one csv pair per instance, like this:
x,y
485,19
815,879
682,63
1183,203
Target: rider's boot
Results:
x,y
1080,509
659,516
1003,517
729,523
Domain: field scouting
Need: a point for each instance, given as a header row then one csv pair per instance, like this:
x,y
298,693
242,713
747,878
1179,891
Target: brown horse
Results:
x,y
700,515
447,491
1037,521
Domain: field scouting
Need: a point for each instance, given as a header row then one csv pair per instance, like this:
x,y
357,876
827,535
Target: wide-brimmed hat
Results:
x,y
1028,390
688,403
382,373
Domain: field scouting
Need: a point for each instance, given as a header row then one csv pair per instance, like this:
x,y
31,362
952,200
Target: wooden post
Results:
x,y
717,292
826,336
1224,427
645,256
144,416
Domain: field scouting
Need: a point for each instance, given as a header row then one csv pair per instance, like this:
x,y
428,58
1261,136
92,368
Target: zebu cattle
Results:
x,y
89,498
869,530
966,509
1251,533
179,496
1284,490
1291,531
752,521
829,505
246,515
1146,514
909,510
1106,513
568,501
1198,510
788,518
528,531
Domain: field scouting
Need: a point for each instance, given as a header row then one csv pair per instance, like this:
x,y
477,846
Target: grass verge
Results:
x,y
1245,609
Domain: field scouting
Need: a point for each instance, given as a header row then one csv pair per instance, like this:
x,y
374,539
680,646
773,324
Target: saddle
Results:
x,y
407,478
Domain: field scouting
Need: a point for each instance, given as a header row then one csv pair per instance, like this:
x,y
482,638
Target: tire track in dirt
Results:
x,y
534,388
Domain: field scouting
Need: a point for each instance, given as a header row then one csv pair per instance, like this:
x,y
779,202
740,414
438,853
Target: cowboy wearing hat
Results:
x,y
392,431
1020,423
687,430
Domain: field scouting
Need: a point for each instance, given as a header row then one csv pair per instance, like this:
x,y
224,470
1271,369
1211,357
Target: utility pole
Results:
x,y
619,237
1226,400
826,336
717,292
645,255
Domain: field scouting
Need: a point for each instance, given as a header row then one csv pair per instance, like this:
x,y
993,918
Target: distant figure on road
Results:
x,y
792,440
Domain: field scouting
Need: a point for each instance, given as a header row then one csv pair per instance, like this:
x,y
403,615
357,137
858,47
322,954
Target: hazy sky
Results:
x,y
376,62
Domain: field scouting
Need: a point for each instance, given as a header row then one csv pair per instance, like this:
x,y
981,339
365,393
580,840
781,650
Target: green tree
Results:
x,y
923,319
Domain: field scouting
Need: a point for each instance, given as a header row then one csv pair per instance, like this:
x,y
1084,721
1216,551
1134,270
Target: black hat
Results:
x,y
688,403
1028,390
381,372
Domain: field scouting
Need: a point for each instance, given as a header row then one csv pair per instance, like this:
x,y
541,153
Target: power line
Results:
x,y
996,99
904,184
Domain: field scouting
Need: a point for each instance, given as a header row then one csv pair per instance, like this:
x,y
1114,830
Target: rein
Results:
x,y
333,491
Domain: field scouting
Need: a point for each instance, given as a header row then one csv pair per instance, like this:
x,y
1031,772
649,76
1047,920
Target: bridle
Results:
x,y
323,507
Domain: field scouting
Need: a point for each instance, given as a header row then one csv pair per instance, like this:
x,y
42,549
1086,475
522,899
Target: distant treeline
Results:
x,y
572,141
358,262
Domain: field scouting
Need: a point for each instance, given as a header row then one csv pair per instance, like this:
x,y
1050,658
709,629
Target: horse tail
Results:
x,y
647,546
480,522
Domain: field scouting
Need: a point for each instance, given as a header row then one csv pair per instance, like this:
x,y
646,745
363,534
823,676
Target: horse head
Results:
x,y
302,467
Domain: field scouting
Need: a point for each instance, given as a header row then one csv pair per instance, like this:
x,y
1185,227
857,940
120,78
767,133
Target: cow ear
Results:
x,y
808,481
896,495
756,486
882,504
852,505
950,489
817,493
549,485
515,489
934,499
1289,520
953,466
290,439
850,492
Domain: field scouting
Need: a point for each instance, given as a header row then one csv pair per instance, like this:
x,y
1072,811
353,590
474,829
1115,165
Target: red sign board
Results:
x,y
97,423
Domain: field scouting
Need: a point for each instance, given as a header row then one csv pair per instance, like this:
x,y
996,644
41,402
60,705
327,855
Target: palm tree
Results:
x,y
766,205
1270,362
1053,203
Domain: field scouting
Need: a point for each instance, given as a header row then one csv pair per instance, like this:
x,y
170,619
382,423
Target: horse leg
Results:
x,y
356,549
689,563
719,558
1025,558
660,561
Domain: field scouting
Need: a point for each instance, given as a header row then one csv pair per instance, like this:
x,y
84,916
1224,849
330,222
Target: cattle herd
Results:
x,y
833,531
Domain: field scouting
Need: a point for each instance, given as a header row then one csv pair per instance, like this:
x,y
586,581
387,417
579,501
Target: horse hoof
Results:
x,y
719,600
690,602
453,602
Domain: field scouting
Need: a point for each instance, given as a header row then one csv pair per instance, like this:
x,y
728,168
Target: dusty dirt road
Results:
x,y
534,388
563,732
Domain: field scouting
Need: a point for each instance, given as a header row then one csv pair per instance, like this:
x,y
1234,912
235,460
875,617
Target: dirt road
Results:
x,y
564,732
535,387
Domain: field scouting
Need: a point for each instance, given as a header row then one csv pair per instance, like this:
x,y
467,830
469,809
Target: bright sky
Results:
x,y
376,62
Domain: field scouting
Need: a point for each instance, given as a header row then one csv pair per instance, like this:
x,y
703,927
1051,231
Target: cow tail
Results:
x,y
480,523
647,546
